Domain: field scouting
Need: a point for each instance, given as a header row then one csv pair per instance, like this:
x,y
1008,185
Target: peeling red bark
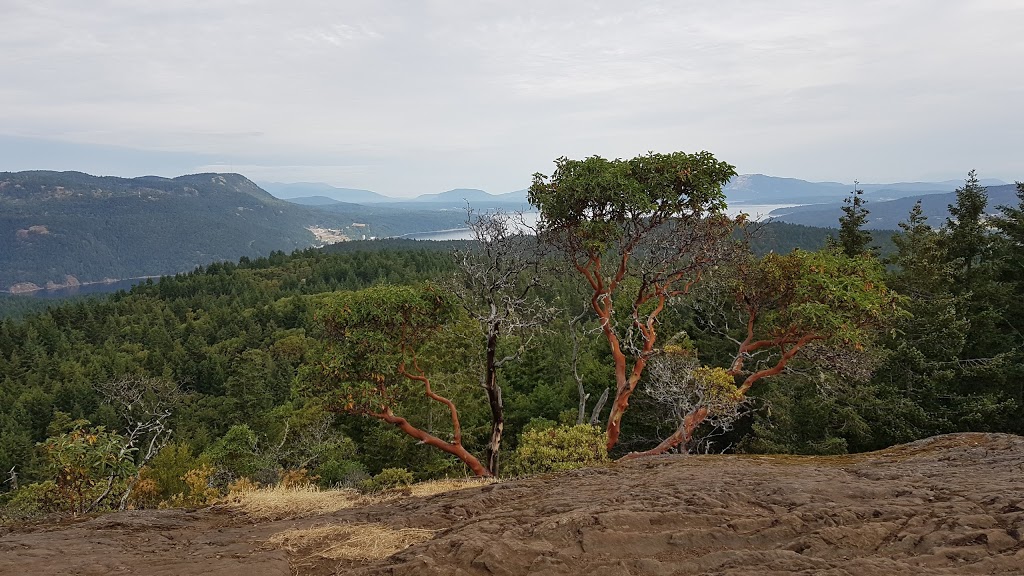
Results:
x,y
681,436
455,446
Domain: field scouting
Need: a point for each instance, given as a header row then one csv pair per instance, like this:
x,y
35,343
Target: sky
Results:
x,y
414,97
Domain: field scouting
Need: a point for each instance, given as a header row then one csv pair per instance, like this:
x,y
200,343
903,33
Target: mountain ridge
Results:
x,y
60,228
886,215
744,188
290,191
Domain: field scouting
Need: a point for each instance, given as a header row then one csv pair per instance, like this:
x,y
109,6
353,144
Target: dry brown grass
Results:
x,y
307,500
362,541
431,487
294,502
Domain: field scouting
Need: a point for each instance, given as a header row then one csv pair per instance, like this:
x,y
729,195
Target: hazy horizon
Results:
x,y
411,98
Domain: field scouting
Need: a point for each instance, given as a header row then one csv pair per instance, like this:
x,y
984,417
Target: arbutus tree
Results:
x,y
781,304
367,361
643,230
677,380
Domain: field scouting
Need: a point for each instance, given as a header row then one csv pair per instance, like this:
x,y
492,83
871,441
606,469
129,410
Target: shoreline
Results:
x,y
54,287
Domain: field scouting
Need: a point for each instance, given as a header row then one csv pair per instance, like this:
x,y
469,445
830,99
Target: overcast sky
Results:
x,y
411,97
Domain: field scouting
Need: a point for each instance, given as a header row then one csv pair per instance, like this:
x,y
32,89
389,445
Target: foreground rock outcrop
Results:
x,y
947,505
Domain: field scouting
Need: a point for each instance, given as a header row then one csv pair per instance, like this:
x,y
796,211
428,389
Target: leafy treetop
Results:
x,y
657,220
595,203
371,337
787,301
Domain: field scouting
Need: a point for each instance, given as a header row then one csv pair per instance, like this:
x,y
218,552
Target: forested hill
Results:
x,y
887,215
56,225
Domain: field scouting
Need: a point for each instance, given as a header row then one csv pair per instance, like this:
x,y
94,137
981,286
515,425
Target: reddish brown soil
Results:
x,y
948,505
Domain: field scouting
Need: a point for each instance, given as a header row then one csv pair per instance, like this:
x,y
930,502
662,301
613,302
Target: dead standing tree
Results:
x,y
146,404
576,327
496,278
641,232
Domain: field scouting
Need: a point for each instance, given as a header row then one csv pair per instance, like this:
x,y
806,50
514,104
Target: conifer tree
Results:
x,y
968,238
853,239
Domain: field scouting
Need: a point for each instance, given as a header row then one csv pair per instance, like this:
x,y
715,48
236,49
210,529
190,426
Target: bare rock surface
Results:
x,y
951,504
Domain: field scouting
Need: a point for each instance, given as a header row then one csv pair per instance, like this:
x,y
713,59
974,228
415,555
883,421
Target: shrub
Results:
x,y
198,490
168,468
83,460
236,454
32,501
242,485
145,493
297,478
388,479
558,448
341,474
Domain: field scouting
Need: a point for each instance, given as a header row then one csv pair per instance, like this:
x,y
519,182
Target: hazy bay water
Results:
x,y
756,212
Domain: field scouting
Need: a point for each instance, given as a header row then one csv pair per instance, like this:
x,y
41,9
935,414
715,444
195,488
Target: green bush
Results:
x,y
236,454
388,479
558,448
83,461
199,490
341,473
168,468
31,501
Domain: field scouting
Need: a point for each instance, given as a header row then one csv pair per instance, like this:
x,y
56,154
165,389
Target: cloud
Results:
x,y
422,96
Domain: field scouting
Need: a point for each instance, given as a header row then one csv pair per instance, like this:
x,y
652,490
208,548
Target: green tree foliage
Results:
x,y
782,304
921,371
368,361
232,334
647,227
854,240
82,460
967,238
1010,222
238,455
952,364
168,468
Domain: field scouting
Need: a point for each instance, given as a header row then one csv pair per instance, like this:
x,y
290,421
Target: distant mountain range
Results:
x,y
743,189
761,189
304,190
320,194
887,215
59,228
820,202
